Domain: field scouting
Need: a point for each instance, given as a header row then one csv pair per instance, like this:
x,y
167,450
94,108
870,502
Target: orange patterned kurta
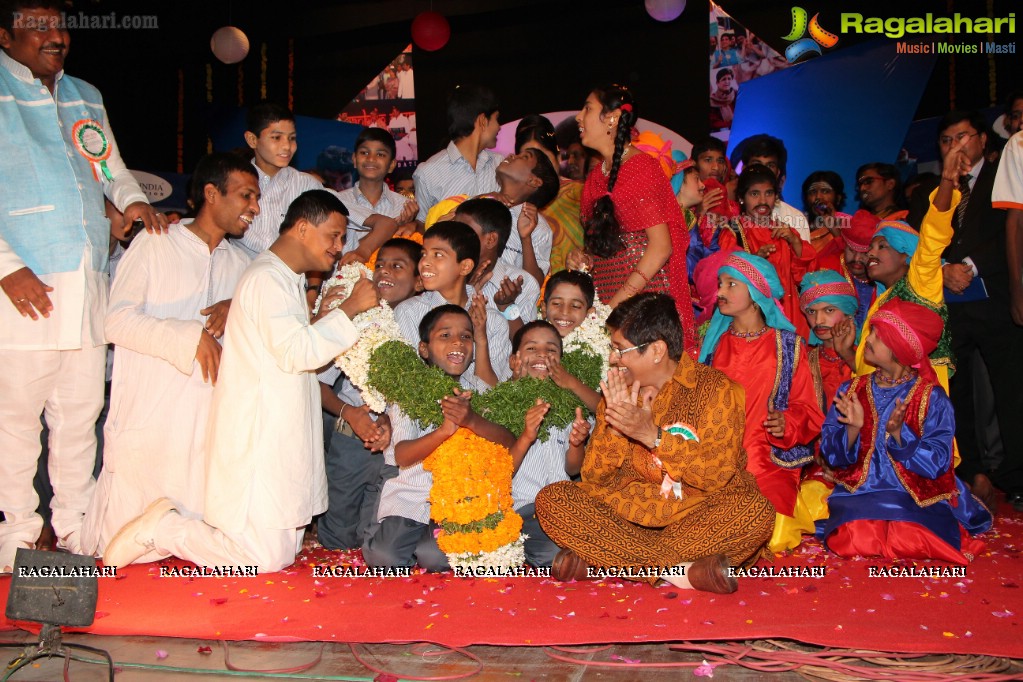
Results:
x,y
617,517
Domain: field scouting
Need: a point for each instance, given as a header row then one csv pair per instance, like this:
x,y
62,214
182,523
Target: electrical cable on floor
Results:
x,y
424,651
838,665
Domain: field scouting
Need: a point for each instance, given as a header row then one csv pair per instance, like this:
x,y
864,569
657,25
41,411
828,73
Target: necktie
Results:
x,y
964,189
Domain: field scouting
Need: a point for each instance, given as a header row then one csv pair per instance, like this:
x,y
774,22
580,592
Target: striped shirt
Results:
x,y
355,201
411,312
542,239
276,194
543,464
408,494
447,173
527,300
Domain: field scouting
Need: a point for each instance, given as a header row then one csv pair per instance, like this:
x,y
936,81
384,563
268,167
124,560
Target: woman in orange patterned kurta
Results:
x,y
664,481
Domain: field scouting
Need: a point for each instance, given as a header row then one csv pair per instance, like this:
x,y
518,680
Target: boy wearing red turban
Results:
x,y
888,440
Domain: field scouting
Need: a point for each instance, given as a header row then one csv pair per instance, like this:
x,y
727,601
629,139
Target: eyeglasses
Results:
x,y
867,180
1015,115
946,140
619,352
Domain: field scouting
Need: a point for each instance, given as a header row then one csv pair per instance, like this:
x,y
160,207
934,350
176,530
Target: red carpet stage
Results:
x,y
979,613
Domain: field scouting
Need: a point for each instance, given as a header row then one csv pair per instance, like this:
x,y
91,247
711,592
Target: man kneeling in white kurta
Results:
x,y
265,469
164,319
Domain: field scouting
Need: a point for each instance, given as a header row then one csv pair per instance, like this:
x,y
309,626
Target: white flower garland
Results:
x,y
503,558
376,327
591,336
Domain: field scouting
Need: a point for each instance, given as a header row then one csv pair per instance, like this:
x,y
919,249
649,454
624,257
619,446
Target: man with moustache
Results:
x,y
851,261
167,359
878,186
59,160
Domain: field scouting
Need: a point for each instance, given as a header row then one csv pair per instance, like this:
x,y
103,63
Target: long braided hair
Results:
x,y
603,232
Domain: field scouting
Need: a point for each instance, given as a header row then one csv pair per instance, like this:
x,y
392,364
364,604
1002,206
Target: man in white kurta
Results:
x,y
265,467
160,399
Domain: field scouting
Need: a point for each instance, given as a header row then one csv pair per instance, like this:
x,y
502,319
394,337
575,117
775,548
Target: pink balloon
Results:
x,y
430,31
229,44
665,10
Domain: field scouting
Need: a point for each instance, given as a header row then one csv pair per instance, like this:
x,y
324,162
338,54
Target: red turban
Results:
x,y
862,227
911,331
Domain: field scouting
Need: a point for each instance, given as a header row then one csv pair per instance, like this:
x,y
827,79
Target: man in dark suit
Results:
x,y
979,316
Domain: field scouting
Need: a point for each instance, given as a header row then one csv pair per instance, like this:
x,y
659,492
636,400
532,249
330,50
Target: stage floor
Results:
x,y
500,664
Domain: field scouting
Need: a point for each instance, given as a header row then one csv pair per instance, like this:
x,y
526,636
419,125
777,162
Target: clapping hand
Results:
x,y
623,410
508,292
534,418
580,429
850,413
896,420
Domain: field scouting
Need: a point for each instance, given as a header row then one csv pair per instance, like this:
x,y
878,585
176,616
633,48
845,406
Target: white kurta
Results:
x,y
159,402
265,464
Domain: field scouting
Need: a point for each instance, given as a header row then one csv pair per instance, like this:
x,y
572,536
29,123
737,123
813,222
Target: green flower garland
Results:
x,y
398,373
585,366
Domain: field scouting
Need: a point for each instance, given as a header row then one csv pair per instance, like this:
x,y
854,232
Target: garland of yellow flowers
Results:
x,y
471,496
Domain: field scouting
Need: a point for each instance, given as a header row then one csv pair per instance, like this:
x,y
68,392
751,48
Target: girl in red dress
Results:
x,y
636,237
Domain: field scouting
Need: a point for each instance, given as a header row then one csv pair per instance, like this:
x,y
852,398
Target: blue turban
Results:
x,y
827,286
765,289
899,235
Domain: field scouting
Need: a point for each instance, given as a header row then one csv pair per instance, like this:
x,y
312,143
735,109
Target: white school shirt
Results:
x,y
265,440
542,238
275,196
543,464
410,312
528,298
408,494
359,208
447,173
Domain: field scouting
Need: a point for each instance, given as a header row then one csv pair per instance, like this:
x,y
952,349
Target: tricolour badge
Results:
x,y
687,432
91,142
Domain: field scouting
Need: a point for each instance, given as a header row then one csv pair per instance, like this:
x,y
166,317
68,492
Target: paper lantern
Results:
x,y
665,10
229,44
430,31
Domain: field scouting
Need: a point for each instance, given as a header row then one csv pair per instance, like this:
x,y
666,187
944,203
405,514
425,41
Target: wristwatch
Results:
x,y
512,312
660,436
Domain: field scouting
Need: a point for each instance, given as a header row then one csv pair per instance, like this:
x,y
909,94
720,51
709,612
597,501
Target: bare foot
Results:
x,y
47,539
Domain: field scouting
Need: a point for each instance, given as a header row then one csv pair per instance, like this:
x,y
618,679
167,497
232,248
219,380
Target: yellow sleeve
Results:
x,y
935,236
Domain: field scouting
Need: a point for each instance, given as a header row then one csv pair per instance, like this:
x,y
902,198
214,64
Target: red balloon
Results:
x,y
430,31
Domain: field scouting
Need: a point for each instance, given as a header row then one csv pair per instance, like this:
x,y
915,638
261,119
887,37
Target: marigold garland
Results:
x,y
470,496
471,500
